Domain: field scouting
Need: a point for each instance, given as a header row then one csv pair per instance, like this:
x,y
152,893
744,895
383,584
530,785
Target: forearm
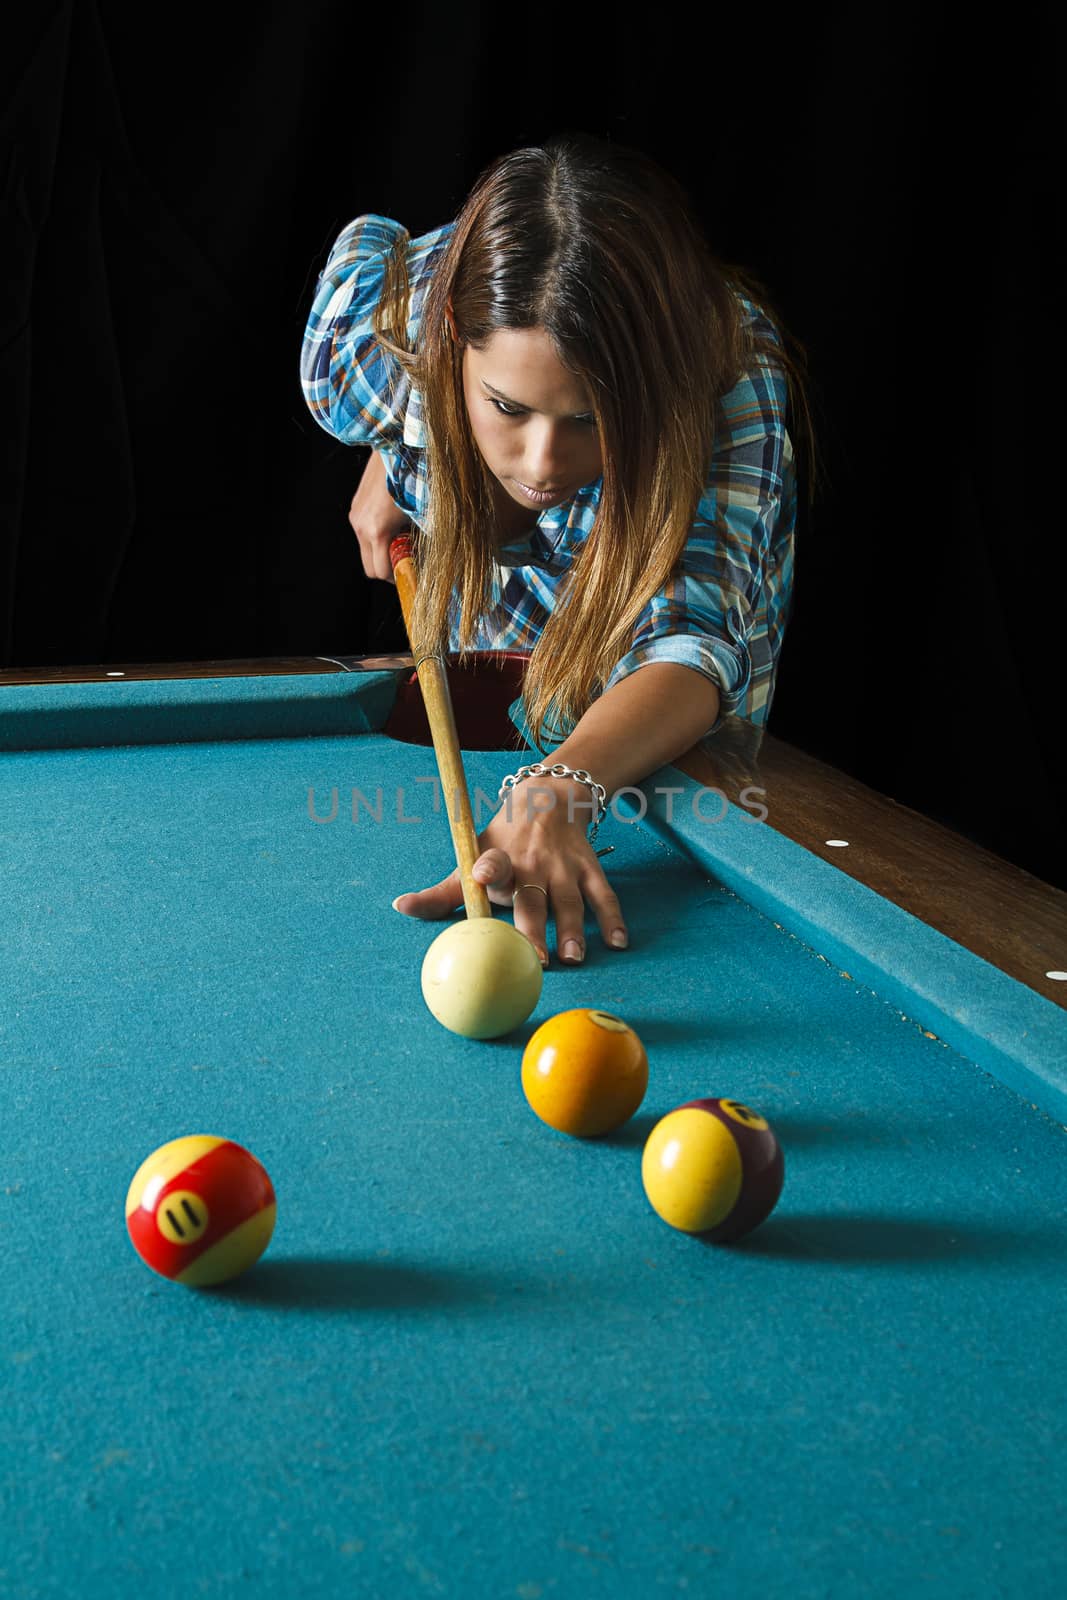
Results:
x,y
647,720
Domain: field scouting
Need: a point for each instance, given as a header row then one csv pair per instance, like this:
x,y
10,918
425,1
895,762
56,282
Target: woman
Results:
x,y
584,415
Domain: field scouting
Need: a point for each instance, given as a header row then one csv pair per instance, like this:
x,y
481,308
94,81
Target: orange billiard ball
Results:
x,y
714,1168
584,1072
200,1210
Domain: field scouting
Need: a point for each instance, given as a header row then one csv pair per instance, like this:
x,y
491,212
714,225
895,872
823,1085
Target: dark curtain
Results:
x,y
173,181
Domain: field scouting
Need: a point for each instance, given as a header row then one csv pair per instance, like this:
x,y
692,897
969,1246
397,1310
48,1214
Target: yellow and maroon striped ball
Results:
x,y
200,1210
713,1168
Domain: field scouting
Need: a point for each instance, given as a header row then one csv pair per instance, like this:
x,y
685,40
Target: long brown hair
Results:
x,y
595,243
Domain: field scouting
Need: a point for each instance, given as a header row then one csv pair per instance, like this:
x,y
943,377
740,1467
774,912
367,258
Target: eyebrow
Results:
x,y
588,412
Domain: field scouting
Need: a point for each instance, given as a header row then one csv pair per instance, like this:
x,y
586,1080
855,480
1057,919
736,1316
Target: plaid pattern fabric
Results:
x,y
725,609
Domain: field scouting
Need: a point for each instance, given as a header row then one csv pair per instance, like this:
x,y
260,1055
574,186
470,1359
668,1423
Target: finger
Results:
x,y
440,900
374,551
530,916
383,560
604,904
568,908
380,565
366,551
493,868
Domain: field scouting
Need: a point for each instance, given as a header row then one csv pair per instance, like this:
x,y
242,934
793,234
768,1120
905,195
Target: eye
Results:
x,y
513,411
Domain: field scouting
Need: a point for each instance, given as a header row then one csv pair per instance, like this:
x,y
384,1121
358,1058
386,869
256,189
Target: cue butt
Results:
x,y
437,698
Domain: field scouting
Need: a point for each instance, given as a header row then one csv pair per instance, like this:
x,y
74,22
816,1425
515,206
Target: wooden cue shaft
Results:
x,y
437,699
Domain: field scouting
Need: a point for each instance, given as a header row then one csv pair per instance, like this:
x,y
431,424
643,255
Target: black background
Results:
x,y
174,178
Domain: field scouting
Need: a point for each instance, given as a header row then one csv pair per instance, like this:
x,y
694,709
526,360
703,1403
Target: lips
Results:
x,y
540,494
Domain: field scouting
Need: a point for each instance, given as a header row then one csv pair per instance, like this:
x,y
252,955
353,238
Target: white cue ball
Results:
x,y
481,977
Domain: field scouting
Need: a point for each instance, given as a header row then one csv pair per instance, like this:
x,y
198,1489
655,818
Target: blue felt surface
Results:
x,y
473,1361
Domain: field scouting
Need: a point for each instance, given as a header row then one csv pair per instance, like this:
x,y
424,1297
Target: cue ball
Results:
x,y
200,1210
713,1168
584,1072
481,977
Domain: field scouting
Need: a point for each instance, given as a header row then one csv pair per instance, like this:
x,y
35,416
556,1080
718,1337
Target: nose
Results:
x,y
546,459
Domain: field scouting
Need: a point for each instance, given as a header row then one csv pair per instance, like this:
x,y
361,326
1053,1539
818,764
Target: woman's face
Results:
x,y
532,420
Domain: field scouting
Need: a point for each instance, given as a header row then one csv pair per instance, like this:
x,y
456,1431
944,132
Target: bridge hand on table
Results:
x,y
535,865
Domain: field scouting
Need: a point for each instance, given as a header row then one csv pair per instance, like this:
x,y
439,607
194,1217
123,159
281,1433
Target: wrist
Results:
x,y
562,803
565,794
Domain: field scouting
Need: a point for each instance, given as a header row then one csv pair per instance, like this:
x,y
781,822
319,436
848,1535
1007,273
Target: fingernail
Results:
x,y
572,950
396,902
618,938
544,959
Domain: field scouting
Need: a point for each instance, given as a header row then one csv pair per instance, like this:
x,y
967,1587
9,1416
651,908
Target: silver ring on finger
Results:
x,y
539,887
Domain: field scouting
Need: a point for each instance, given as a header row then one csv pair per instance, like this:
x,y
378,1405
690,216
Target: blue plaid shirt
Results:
x,y
725,609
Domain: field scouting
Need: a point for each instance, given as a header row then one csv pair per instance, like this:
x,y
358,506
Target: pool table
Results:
x,y
473,1361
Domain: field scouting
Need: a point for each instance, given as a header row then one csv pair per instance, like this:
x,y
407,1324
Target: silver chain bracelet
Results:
x,y
579,774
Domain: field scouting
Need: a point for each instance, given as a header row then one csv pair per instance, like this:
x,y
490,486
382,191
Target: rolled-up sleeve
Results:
x,y
353,389
724,610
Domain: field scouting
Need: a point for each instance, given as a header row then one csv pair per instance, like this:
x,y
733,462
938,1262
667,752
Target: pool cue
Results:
x,y
437,699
